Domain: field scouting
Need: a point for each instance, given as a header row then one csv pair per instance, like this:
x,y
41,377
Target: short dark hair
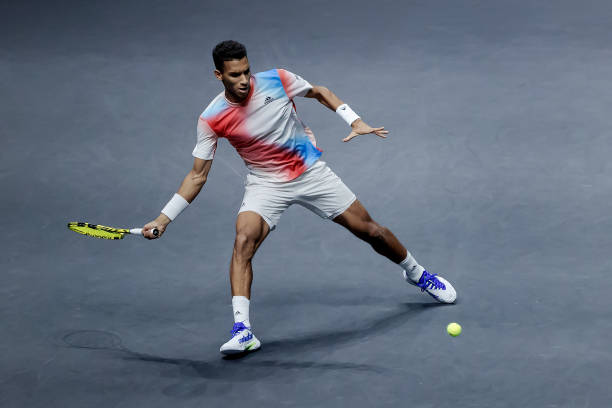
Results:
x,y
227,51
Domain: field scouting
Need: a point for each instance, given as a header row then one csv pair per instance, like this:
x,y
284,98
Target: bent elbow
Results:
x,y
316,92
321,92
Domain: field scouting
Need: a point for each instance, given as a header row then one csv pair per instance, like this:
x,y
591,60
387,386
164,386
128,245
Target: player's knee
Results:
x,y
376,233
244,245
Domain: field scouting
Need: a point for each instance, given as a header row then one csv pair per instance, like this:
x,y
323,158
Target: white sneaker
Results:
x,y
438,287
242,340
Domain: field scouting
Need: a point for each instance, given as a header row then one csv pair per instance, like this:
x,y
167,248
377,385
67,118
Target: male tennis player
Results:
x,y
257,116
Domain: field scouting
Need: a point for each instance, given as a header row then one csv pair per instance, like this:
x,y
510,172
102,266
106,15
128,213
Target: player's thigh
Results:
x,y
267,200
251,230
356,219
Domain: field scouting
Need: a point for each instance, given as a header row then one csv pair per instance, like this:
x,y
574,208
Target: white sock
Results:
x,y
240,304
412,268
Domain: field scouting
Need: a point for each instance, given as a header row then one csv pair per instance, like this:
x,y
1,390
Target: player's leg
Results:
x,y
251,230
357,220
323,192
262,206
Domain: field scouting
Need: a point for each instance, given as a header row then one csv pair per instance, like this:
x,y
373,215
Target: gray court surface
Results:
x,y
496,174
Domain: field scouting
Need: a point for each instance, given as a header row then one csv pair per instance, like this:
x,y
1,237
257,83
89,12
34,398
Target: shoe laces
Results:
x,y
429,281
238,327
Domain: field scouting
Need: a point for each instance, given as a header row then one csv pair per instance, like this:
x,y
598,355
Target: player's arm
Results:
x,y
325,96
330,100
190,187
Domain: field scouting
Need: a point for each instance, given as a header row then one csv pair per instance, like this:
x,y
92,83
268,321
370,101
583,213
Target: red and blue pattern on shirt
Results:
x,y
265,129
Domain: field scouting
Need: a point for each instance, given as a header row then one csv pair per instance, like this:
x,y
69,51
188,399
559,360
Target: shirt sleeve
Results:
x,y
294,84
206,144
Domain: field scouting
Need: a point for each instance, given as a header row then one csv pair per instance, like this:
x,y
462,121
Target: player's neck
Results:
x,y
233,98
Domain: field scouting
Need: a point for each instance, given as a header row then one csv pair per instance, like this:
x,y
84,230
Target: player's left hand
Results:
x,y
361,128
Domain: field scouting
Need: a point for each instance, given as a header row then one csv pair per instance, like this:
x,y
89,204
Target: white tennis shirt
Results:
x,y
265,129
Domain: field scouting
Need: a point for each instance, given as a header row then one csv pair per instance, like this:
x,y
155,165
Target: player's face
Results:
x,y
236,78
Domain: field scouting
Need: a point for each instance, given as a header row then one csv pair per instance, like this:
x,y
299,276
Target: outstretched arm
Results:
x,y
329,99
189,189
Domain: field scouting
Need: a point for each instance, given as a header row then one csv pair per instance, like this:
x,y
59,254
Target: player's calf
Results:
x,y
383,241
378,237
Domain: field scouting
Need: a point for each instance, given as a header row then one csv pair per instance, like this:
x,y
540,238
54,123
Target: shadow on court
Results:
x,y
336,338
260,363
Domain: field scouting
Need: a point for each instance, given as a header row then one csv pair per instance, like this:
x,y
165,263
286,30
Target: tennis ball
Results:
x,y
453,329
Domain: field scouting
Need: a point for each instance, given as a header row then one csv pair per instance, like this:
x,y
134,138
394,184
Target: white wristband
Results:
x,y
175,206
347,113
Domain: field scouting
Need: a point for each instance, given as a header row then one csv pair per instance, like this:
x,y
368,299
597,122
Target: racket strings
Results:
x,y
102,227
97,232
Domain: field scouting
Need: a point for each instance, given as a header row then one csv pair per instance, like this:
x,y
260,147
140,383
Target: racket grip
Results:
x,y
138,231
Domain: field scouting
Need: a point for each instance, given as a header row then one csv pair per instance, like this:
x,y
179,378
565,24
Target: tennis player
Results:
x,y
256,114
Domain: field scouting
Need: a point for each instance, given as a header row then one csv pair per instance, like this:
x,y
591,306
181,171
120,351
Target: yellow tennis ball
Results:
x,y
453,329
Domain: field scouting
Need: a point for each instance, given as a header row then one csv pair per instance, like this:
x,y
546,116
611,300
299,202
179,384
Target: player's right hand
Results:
x,y
147,230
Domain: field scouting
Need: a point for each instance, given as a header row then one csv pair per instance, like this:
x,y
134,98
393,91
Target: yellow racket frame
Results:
x,y
98,231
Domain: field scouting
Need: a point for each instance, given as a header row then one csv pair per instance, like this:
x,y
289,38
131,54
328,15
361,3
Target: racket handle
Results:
x,y
138,231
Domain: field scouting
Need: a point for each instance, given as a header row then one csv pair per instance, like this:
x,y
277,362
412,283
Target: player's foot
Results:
x,y
242,340
438,287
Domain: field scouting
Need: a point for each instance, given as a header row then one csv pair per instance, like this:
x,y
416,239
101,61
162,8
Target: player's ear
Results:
x,y
218,74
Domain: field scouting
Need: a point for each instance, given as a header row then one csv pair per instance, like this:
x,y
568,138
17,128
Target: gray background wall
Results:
x,y
495,175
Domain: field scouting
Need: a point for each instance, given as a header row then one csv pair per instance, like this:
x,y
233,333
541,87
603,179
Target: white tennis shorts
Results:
x,y
318,189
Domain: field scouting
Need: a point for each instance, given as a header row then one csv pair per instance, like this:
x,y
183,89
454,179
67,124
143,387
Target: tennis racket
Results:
x,y
101,231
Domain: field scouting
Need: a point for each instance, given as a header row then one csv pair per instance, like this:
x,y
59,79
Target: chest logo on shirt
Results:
x,y
268,100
